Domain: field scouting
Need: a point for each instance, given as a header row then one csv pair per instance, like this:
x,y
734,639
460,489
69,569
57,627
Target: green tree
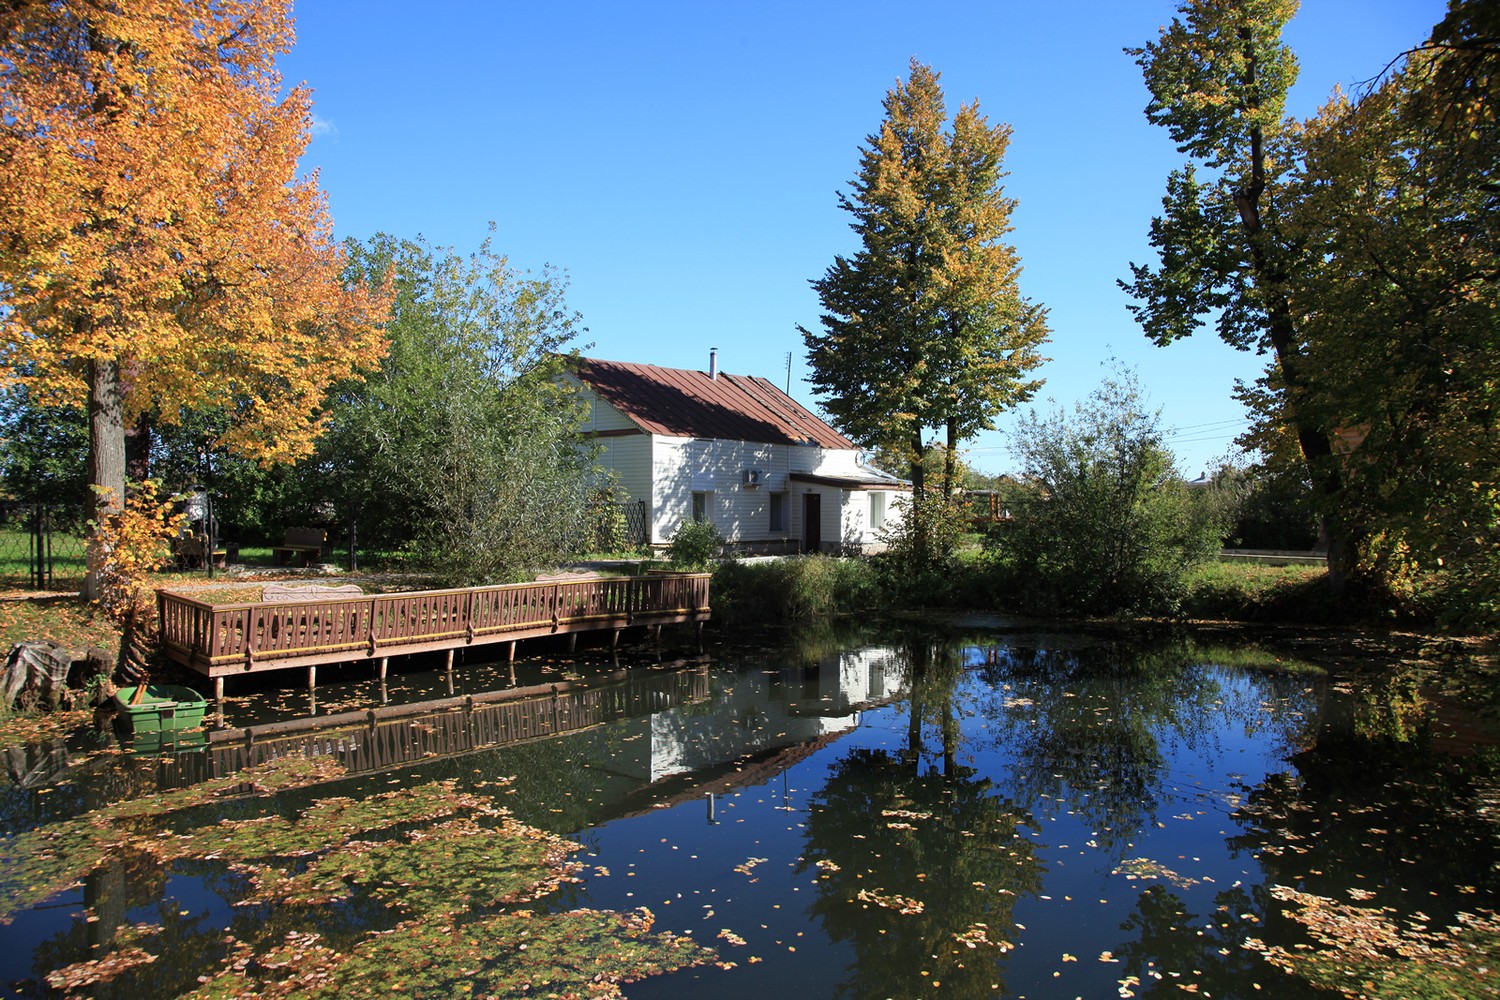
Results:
x,y
462,447
1396,204
1218,77
45,453
924,325
1107,523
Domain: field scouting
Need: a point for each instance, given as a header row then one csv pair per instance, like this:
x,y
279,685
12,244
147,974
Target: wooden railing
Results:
x,y
216,639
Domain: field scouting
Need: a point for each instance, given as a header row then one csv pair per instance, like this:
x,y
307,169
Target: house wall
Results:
x,y
683,466
667,471
623,447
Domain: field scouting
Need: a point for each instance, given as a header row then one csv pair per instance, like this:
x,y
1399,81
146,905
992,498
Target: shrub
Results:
x,y
796,589
1104,523
694,545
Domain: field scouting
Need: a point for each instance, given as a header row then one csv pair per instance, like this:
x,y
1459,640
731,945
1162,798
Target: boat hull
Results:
x,y
166,708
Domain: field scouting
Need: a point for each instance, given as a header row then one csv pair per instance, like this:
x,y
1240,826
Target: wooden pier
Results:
x,y
225,640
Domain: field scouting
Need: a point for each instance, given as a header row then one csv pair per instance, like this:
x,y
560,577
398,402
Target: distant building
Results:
x,y
736,451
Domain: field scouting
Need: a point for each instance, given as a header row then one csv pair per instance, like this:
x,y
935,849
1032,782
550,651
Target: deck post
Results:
x,y
510,652
380,668
219,691
614,639
312,677
572,641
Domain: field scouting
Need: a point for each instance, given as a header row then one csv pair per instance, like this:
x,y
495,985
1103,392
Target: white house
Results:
x,y
736,451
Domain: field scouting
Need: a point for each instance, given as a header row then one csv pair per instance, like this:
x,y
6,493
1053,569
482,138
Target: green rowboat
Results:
x,y
165,708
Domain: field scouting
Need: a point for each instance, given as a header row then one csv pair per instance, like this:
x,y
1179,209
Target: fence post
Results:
x,y
34,570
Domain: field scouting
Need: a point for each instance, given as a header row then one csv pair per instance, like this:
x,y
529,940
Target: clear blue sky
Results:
x,y
680,160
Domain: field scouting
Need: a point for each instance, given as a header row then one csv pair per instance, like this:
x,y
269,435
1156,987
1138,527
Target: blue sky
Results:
x,y
680,160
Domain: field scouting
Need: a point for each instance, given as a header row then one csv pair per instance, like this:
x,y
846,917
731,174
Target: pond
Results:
x,y
894,813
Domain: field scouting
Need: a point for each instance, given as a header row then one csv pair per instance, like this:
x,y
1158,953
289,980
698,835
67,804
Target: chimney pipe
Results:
x,y
713,362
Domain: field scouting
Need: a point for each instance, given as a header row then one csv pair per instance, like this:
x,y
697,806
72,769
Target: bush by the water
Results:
x,y
1102,522
795,589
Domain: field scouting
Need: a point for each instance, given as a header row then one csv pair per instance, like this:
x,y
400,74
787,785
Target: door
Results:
x,y
812,522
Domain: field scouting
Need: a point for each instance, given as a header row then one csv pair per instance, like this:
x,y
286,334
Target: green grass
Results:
x,y
795,589
68,565
1253,592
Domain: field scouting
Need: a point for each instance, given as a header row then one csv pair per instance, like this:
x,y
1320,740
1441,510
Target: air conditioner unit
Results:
x,y
753,477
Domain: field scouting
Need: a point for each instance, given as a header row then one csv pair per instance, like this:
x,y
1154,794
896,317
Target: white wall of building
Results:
x,y
667,471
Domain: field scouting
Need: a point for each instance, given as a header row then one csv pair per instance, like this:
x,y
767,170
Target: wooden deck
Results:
x,y
225,640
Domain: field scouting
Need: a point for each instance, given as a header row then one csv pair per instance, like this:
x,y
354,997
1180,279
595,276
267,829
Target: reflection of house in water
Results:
x,y
647,737
753,713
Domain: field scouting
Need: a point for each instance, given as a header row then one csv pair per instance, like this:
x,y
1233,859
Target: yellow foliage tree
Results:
x,y
131,540
157,249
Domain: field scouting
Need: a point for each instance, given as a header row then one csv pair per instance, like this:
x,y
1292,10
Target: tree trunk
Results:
x,y
138,449
918,509
1315,442
106,453
950,459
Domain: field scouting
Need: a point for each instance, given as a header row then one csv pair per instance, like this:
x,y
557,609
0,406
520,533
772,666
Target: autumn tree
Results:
x,y
1358,247
158,250
924,326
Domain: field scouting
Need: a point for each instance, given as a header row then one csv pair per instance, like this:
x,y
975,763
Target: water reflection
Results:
x,y
877,815
1094,728
919,861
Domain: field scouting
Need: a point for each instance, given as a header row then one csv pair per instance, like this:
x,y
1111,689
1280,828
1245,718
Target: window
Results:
x,y
778,512
700,506
877,511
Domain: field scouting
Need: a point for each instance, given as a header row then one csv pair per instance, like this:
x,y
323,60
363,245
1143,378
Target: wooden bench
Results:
x,y
300,546
191,552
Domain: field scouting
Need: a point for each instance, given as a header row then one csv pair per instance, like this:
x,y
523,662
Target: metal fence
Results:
x,y
42,546
619,526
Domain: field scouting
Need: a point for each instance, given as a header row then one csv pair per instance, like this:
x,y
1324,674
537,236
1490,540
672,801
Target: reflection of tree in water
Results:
x,y
919,870
1177,950
1095,727
1374,806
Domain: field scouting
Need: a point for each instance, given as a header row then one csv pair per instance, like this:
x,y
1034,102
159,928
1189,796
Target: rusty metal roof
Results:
x,y
678,402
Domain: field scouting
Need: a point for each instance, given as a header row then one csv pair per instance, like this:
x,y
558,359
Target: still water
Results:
x,y
887,814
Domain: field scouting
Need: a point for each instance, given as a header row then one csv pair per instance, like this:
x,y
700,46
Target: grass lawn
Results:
x,y
15,559
1255,591
66,619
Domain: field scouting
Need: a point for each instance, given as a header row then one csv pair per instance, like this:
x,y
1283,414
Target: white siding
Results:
x,y
681,467
666,472
602,416
629,458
